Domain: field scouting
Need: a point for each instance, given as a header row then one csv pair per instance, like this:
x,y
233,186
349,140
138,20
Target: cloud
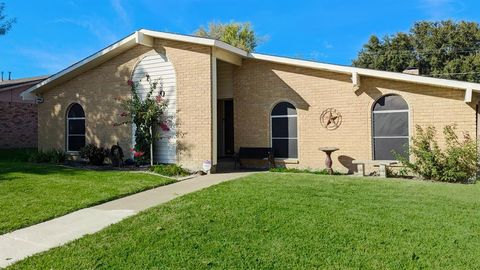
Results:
x,y
121,12
442,9
98,27
50,62
328,45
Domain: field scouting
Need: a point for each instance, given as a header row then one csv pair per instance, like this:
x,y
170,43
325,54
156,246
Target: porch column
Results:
x,y
214,110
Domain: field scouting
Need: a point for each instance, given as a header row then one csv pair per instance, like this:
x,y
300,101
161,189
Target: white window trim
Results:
x,y
391,111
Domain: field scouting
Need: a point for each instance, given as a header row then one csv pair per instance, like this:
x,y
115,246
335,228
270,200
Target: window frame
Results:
x,y
372,125
292,159
67,128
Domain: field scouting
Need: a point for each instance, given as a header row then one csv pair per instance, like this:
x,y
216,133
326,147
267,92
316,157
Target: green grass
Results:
x,y
291,221
32,193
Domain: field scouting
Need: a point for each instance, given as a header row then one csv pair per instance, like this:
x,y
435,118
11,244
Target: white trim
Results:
x,y
214,113
468,95
391,111
284,138
67,130
284,116
145,37
368,72
355,80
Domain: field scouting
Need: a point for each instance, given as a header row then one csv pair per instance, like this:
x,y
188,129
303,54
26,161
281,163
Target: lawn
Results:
x,y
291,221
32,193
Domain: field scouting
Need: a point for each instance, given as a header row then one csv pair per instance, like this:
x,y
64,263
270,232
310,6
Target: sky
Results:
x,y
50,35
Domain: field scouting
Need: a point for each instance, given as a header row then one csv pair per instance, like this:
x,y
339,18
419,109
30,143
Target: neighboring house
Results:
x,y
18,117
224,98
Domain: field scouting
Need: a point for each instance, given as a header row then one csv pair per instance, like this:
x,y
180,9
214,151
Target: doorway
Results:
x,y
225,137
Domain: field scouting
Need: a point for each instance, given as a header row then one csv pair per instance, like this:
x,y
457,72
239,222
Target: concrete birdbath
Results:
x,y
328,160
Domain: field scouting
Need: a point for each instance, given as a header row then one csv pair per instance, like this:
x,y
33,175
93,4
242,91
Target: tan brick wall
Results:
x,y
97,89
258,86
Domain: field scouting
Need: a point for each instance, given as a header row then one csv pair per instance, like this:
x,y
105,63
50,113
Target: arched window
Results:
x,y
75,127
284,130
390,127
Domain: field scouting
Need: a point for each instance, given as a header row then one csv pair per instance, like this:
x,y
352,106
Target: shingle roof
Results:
x,y
29,80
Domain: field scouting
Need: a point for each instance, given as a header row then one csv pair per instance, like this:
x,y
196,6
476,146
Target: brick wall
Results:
x,y
18,125
97,89
259,85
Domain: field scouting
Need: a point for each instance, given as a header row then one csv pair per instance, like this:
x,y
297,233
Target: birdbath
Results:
x,y
328,160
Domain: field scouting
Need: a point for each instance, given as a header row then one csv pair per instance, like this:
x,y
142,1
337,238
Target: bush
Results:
x,y
169,170
456,163
56,156
95,155
294,170
16,154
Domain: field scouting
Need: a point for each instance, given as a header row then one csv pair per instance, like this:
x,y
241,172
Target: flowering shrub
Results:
x,y
146,114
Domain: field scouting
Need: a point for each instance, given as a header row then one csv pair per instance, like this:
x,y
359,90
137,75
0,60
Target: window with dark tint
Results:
x,y
284,130
390,127
75,128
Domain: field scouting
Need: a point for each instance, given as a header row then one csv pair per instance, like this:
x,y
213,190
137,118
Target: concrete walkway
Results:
x,y
25,242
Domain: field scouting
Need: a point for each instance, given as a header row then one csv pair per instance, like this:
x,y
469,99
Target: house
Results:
x,y
224,98
18,117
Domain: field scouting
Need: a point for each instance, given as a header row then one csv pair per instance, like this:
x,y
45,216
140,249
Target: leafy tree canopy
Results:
x,y
445,49
5,22
240,35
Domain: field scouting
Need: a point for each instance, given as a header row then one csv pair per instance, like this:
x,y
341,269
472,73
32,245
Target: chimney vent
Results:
x,y
412,71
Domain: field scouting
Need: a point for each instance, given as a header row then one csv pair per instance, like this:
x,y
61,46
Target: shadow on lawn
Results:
x,y
8,168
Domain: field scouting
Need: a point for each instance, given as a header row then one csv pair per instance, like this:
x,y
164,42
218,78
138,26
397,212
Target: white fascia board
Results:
x,y
195,40
127,42
141,38
468,95
355,79
369,72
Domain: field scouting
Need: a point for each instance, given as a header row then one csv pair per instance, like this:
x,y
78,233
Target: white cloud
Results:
x,y
96,26
50,62
441,9
121,12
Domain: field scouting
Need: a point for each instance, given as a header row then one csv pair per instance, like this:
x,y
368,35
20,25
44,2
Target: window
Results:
x,y
390,127
75,128
284,130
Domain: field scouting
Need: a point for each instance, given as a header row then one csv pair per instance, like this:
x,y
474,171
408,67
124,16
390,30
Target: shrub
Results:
x,y
294,170
16,154
169,170
456,163
56,156
95,155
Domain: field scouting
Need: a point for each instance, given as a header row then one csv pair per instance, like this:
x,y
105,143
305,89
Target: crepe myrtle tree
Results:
x,y
146,114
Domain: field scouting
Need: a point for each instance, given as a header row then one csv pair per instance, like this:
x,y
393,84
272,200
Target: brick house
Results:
x,y
224,98
18,117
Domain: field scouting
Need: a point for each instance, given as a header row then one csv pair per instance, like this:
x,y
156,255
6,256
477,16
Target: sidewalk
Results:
x,y
22,243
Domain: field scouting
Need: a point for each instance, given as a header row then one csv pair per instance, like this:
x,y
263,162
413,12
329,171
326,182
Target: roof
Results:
x,y
22,81
146,37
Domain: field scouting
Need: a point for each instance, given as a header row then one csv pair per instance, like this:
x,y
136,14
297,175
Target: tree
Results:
x,y
240,35
5,23
445,49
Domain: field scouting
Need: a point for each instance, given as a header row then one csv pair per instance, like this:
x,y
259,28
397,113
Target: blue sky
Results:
x,y
52,34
